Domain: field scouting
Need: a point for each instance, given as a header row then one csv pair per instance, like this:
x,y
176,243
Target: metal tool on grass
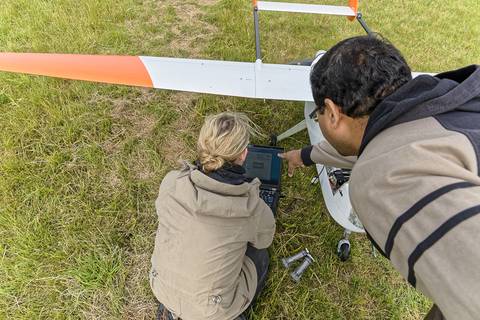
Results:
x,y
289,260
297,273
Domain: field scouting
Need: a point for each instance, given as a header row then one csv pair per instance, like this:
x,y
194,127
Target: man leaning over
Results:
x,y
415,184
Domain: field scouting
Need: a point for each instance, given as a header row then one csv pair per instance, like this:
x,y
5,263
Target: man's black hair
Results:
x,y
357,73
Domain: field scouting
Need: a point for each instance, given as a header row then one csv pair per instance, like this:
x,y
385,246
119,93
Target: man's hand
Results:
x,y
294,160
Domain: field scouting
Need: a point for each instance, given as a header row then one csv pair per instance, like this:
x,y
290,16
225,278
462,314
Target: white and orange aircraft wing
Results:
x,y
240,79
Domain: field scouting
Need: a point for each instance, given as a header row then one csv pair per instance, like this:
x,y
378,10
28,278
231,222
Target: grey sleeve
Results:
x,y
324,153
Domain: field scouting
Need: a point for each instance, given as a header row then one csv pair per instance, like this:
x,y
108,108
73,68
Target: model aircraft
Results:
x,y
241,79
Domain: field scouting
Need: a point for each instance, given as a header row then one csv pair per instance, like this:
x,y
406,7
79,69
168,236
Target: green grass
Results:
x,y
80,163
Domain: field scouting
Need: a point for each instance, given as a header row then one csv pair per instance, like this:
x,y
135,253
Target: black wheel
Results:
x,y
343,251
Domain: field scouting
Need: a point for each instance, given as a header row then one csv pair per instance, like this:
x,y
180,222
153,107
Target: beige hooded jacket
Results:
x,y
199,268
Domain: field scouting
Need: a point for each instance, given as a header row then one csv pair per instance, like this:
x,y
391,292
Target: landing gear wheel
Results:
x,y
343,249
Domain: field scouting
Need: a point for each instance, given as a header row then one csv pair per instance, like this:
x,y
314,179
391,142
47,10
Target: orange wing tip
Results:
x,y
354,5
127,70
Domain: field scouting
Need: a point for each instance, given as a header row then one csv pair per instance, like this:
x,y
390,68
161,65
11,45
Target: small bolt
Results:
x,y
288,261
297,274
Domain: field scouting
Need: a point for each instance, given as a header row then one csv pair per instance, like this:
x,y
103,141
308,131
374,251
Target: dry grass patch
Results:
x,y
140,303
175,144
178,29
190,33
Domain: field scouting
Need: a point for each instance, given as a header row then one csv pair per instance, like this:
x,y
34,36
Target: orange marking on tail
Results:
x,y
127,70
354,5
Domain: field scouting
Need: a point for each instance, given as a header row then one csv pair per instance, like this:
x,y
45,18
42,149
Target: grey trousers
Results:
x,y
261,259
434,314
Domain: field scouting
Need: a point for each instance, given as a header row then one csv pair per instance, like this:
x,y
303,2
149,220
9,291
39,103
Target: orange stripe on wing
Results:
x,y
127,70
354,5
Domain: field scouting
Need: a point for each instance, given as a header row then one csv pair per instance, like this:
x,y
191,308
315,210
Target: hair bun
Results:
x,y
210,162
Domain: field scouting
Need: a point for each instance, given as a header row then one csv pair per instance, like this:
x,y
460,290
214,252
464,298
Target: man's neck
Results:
x,y
358,130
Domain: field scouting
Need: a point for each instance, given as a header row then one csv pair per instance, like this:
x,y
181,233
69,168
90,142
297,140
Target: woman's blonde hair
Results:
x,y
223,138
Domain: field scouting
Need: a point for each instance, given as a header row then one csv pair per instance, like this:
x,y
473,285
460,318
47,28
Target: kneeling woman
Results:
x,y
210,259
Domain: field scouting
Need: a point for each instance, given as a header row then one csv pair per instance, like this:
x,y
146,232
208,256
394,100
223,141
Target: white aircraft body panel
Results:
x,y
204,76
291,82
305,8
338,203
240,79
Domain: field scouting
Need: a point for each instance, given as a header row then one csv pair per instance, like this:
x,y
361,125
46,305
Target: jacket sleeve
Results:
x,y
324,153
167,184
433,240
265,227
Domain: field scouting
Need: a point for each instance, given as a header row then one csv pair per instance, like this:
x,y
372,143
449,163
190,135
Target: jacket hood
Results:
x,y
229,173
201,180
426,96
214,198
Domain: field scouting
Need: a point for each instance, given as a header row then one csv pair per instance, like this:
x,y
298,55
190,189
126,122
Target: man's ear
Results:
x,y
333,113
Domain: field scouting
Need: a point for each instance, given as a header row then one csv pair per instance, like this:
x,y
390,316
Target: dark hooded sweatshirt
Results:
x,y
415,185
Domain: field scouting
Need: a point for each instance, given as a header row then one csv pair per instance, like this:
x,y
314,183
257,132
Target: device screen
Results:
x,y
263,163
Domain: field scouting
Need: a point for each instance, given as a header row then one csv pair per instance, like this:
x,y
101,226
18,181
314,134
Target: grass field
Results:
x,y
80,163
